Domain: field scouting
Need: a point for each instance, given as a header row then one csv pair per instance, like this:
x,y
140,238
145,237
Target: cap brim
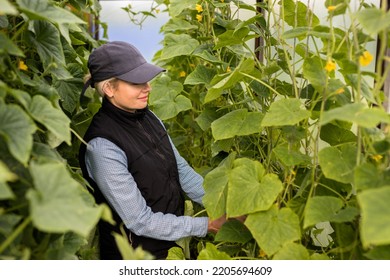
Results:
x,y
142,74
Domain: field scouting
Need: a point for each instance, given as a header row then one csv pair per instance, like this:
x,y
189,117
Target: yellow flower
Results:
x,y
228,69
331,8
182,74
22,65
199,8
262,254
199,17
222,1
365,58
377,158
340,91
293,172
330,66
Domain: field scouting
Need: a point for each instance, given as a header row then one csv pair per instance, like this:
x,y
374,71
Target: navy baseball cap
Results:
x,y
119,60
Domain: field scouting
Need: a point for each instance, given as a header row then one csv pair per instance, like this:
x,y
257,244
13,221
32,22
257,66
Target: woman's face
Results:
x,y
127,96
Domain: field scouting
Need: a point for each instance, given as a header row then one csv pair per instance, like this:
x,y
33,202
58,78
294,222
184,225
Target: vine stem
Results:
x,y
78,136
15,234
261,82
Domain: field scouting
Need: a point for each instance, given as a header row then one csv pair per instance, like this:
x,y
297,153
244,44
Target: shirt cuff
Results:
x,y
200,226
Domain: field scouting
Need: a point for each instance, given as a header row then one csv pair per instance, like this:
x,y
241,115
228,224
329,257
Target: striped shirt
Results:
x,y
107,166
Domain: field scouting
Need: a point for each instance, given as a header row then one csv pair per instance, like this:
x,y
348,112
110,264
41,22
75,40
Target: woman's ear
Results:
x,y
108,89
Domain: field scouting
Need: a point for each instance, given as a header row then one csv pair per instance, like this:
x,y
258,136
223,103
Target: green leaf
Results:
x,y
205,118
334,86
241,4
298,32
375,213
22,97
220,82
3,91
321,209
338,163
56,202
128,252
304,31
362,86
52,118
285,112
381,146
335,135
7,8
290,157
231,37
177,45
17,128
356,113
215,186
292,251
106,214
233,231
313,70
205,55
5,176
178,6
44,10
177,24
225,81
201,75
6,45
65,247
45,152
222,145
5,191
273,228
319,257
184,243
175,253
379,253
373,20
368,176
69,91
341,6
249,189
348,214
211,253
252,22
237,123
269,69
166,99
295,14
49,47
8,222
348,67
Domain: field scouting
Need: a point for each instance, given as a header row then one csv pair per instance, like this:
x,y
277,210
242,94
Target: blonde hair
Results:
x,y
99,86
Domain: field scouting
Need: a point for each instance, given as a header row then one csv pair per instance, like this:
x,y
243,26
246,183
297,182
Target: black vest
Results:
x,y
151,162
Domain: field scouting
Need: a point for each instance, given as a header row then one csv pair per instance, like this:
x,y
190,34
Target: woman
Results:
x,y
131,162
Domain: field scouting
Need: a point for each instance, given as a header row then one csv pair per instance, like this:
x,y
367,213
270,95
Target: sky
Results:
x,y
121,28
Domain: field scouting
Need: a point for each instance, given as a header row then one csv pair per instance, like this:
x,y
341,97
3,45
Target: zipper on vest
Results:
x,y
151,140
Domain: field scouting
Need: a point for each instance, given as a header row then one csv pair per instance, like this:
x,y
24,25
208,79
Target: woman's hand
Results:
x,y
215,225
241,218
